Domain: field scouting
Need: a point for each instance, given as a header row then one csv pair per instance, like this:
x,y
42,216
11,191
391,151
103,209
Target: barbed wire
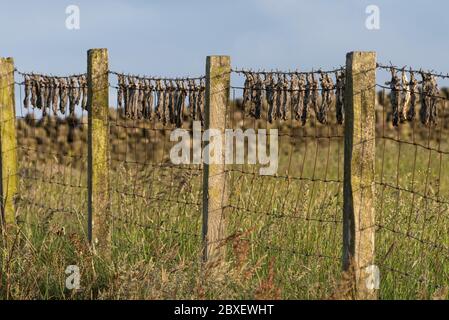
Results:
x,y
289,73
32,73
153,78
410,69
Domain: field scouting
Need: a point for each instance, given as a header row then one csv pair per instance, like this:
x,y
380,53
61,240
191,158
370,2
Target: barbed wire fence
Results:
x,y
160,198
294,217
292,221
51,124
411,187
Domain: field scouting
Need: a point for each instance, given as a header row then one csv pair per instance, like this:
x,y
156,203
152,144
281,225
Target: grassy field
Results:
x,y
284,233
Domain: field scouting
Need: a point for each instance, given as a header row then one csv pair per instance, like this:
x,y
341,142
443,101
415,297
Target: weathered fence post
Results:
x,y
98,151
215,197
8,142
358,189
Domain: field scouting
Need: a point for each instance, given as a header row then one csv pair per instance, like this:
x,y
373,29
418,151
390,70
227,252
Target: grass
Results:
x,y
284,233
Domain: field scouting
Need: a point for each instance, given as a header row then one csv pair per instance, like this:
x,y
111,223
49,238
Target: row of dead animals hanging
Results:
x,y
293,95
55,93
162,99
286,95
139,98
166,99
404,95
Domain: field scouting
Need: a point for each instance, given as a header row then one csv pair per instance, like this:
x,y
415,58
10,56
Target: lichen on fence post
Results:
x,y
359,168
8,141
99,218
215,192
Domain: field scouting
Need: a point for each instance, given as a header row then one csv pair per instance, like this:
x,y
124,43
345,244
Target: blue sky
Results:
x,y
170,38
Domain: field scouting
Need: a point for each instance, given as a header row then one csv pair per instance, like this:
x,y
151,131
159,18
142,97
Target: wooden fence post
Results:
x,y
359,158
98,151
215,193
8,141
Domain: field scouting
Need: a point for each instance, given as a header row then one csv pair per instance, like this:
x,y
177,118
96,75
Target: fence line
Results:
x,y
325,196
